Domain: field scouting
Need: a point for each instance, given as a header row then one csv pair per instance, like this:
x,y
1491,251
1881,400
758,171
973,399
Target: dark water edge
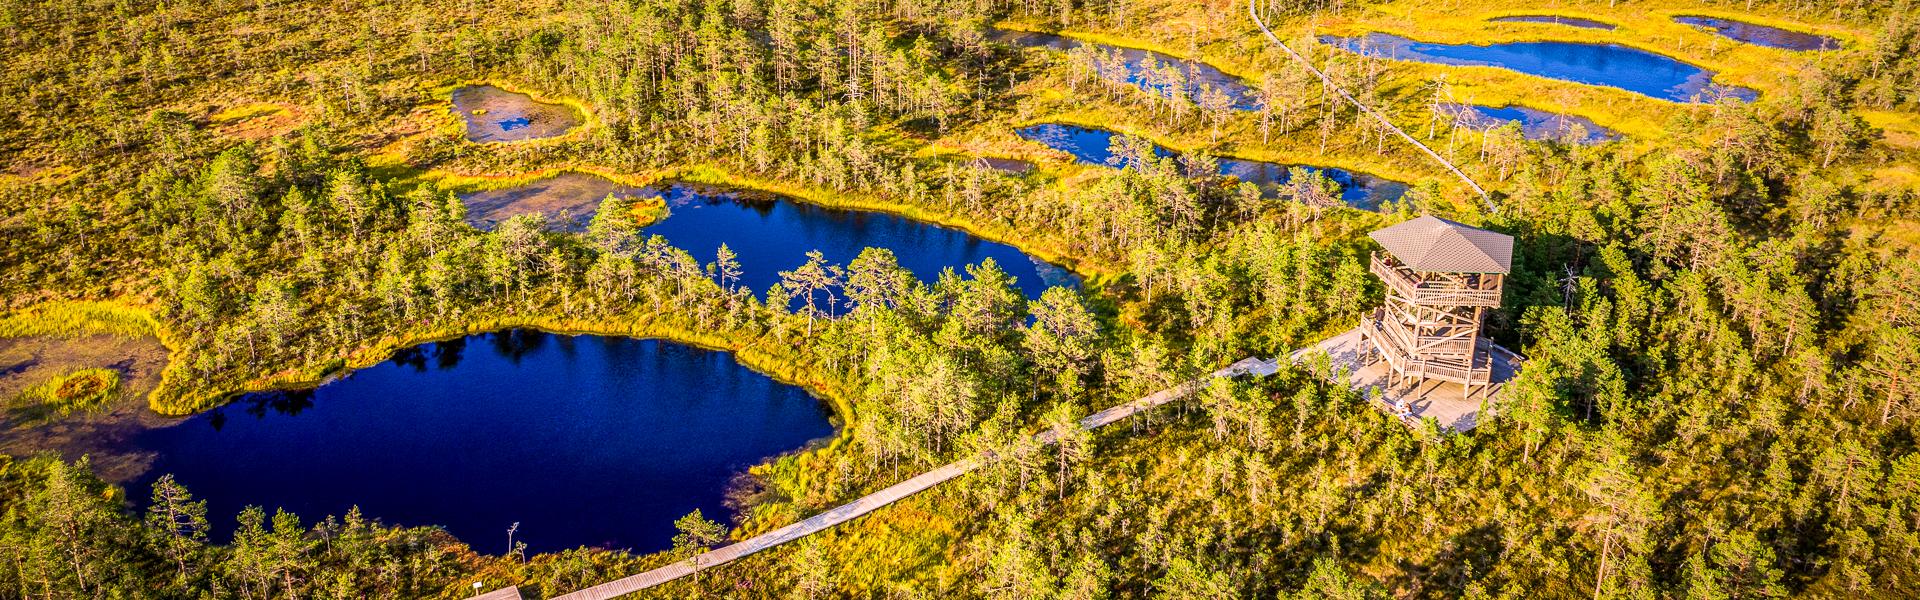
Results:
x,y
1761,35
583,441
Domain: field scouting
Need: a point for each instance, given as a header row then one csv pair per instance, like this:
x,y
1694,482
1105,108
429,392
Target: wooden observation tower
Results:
x,y
1441,278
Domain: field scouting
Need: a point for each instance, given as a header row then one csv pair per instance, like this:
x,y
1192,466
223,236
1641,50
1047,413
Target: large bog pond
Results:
x,y
581,440
1609,65
1148,70
1094,146
496,115
770,234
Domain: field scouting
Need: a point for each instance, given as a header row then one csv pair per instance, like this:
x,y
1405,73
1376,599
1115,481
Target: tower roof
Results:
x,y
1435,245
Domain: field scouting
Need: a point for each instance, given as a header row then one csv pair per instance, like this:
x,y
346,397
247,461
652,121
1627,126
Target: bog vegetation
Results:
x,y
1721,315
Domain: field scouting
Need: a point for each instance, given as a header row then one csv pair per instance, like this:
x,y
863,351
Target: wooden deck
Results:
x,y
894,493
1441,400
505,593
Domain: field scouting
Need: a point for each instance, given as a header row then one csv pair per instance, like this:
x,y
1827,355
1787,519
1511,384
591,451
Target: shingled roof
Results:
x,y
1435,245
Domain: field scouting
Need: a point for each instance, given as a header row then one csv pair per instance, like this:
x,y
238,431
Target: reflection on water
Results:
x,y
1358,190
1148,70
1534,124
581,440
771,235
1610,65
1095,146
496,115
1005,165
568,200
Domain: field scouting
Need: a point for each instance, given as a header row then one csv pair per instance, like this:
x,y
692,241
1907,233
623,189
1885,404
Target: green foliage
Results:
x,y
1719,397
67,534
696,533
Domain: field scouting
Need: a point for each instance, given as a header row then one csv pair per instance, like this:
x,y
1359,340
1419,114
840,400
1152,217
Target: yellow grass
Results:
x,y
75,318
1896,177
1900,130
245,111
1646,26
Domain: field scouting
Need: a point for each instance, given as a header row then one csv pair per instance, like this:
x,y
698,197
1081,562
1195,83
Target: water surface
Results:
x,y
496,115
769,234
1534,124
1005,165
1555,20
1144,69
1610,65
772,234
584,440
568,200
1088,145
1761,35
1094,146
1358,190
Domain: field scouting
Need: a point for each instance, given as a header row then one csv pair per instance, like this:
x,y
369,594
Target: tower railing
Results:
x,y
1407,285
1477,370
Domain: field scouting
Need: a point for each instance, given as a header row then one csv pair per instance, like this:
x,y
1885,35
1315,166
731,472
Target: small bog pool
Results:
x,y
1609,65
568,200
1761,35
1534,124
1093,146
1143,68
1011,166
496,115
582,441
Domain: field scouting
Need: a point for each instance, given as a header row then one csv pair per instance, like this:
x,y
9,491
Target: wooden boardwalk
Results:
x,y
894,493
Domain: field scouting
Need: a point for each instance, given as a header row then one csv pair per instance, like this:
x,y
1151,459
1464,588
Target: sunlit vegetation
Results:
x,y
76,318
1721,315
84,389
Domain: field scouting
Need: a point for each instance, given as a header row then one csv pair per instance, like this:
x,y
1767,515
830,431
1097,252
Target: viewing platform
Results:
x,y
1413,286
1446,401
